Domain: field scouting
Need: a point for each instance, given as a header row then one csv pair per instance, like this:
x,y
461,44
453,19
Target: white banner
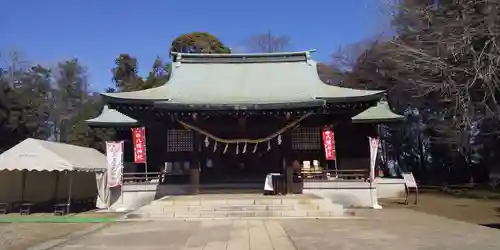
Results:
x,y
114,155
374,142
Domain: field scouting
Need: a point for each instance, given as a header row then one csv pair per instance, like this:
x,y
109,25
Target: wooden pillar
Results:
x,y
194,179
194,171
286,154
289,179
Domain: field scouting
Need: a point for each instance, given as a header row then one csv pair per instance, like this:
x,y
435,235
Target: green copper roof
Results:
x,y
378,113
111,117
243,81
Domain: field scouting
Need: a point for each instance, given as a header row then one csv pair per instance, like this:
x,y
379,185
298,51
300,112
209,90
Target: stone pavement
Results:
x,y
383,229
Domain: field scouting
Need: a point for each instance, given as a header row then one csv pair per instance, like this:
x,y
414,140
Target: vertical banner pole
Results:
x,y
139,142
329,145
108,197
70,189
145,155
114,155
335,155
374,143
122,144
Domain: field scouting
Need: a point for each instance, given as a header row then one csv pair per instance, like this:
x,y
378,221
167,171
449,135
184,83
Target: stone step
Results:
x,y
236,214
242,207
226,207
202,202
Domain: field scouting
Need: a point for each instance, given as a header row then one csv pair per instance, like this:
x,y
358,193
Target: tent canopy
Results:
x,y
32,154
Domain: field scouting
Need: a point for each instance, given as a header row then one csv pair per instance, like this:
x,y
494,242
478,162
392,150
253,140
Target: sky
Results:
x,y
97,31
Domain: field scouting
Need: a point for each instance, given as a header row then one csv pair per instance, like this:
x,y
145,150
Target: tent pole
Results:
x,y
23,180
69,192
56,188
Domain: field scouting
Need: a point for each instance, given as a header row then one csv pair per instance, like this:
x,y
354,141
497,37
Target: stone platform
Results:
x,y
237,206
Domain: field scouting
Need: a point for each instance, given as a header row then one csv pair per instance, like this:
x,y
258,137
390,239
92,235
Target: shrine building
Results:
x,y
234,118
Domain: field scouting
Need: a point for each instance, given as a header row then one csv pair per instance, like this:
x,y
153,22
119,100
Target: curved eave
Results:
x,y
111,118
379,120
110,124
363,95
381,113
240,106
147,96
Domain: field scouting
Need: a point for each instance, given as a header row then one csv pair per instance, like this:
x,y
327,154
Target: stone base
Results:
x,y
219,206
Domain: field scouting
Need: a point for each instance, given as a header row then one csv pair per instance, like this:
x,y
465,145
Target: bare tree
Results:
x,y
444,62
447,56
268,43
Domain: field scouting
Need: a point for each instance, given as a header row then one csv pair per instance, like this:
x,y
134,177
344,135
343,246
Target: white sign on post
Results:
x,y
374,143
114,156
409,180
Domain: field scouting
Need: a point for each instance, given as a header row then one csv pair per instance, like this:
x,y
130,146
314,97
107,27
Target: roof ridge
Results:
x,y
238,55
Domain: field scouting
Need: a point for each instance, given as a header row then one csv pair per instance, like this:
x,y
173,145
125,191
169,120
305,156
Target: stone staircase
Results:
x,y
237,206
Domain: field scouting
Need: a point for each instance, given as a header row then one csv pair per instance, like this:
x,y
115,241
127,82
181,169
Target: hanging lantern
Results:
x,y
268,146
225,148
244,148
215,146
255,148
206,142
237,148
279,139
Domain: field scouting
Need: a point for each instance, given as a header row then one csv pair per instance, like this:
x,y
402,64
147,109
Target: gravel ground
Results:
x,y
20,236
477,211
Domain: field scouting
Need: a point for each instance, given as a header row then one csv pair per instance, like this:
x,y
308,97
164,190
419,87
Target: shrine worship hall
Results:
x,y
237,122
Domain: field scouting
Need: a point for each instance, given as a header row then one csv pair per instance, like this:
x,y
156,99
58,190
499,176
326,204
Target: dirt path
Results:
x,y
483,212
20,236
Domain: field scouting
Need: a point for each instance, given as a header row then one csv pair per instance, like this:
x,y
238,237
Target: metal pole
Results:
x,y
145,156
69,192
108,196
23,180
56,187
385,163
122,145
121,183
335,154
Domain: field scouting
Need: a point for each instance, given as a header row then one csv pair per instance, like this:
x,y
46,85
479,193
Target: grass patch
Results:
x,y
54,219
86,217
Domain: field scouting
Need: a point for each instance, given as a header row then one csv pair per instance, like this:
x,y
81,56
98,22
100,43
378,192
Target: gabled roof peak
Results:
x,y
111,117
380,113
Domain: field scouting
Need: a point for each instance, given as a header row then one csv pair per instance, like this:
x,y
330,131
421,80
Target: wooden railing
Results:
x,y
332,174
138,178
143,177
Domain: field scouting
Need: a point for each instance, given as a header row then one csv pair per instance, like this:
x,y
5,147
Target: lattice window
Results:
x,y
306,139
179,140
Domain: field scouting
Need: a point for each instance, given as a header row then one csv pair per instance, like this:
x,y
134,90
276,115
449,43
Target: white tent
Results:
x,y
36,171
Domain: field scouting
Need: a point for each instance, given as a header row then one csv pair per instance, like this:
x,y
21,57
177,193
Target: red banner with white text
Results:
x,y
329,144
139,140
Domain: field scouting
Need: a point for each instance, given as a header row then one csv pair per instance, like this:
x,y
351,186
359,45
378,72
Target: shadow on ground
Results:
x,y
492,225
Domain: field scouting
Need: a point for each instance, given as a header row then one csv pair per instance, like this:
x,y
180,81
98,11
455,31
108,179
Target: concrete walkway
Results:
x,y
383,229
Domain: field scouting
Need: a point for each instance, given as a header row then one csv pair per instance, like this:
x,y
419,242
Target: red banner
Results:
x,y
329,144
139,139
